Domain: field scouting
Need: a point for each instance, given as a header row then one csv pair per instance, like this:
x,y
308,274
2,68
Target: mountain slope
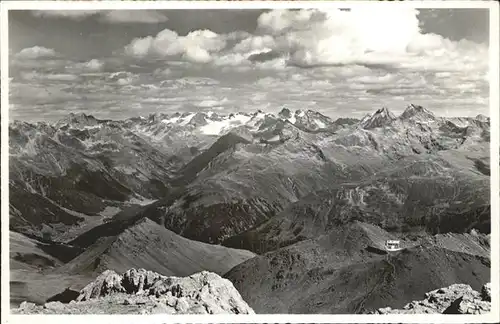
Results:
x,y
339,272
79,167
148,245
427,194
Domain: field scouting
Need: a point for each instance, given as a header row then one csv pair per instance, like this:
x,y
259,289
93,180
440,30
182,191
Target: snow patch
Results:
x,y
171,120
320,123
243,119
93,126
214,127
109,211
253,122
274,138
187,119
139,200
218,127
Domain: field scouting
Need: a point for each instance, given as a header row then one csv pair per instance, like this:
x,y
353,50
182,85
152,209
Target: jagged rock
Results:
x,y
486,292
27,305
454,308
56,306
160,308
200,119
417,112
380,118
455,299
108,282
482,118
200,293
285,113
136,281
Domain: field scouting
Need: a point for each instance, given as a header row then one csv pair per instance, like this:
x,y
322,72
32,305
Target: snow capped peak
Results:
x,y
211,123
286,115
365,118
385,113
416,112
380,118
225,123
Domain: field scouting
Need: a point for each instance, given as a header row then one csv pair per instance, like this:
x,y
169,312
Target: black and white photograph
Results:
x,y
319,160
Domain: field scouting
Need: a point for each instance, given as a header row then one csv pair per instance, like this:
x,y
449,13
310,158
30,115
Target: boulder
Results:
x,y
486,292
455,299
106,283
139,291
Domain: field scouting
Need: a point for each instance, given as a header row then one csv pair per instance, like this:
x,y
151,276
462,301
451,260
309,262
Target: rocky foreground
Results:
x,y
455,299
147,292
139,291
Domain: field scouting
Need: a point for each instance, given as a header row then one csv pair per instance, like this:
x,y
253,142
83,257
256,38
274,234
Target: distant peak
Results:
x,y
78,118
285,113
385,112
299,113
415,111
482,117
380,118
81,115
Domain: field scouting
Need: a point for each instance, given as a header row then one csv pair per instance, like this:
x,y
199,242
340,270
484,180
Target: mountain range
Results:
x,y
293,208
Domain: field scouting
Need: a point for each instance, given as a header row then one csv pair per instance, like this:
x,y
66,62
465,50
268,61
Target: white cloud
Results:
x,y
93,65
36,52
70,14
134,16
312,37
276,21
197,46
113,16
385,36
123,78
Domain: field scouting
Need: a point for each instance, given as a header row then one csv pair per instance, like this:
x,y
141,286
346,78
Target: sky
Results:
x,y
342,63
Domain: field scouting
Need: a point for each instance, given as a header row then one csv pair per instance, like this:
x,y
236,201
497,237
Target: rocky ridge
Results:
x,y
455,299
139,291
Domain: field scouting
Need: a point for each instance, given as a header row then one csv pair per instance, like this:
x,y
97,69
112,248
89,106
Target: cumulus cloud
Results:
x,y
387,37
366,36
93,65
113,16
196,46
36,52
